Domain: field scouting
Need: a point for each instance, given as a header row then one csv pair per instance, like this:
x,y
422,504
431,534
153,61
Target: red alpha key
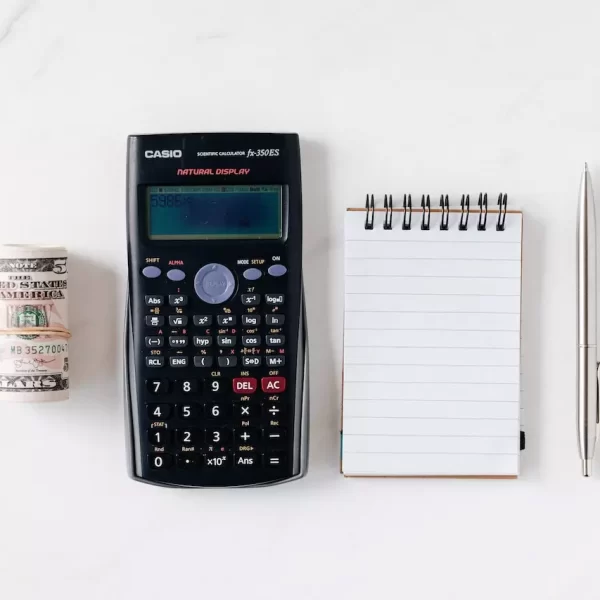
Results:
x,y
273,385
245,385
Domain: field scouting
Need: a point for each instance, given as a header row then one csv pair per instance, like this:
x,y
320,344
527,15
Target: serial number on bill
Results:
x,y
38,349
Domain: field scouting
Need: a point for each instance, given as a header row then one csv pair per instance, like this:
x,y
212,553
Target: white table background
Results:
x,y
387,96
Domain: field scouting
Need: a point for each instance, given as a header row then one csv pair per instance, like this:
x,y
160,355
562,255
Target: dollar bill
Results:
x,y
33,293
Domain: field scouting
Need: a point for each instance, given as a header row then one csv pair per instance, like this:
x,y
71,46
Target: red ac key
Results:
x,y
273,385
245,385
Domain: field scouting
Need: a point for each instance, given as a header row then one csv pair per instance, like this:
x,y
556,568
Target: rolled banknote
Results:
x,y
34,332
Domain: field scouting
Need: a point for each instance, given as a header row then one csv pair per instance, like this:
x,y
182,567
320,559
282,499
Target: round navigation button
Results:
x,y
176,275
214,283
151,272
252,274
277,270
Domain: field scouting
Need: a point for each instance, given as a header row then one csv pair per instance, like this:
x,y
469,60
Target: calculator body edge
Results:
x,y
218,166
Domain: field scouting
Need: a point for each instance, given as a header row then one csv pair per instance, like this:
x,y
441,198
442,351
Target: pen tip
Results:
x,y
585,167
587,467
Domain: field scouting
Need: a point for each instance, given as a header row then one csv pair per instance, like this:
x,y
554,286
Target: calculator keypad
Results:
x,y
220,402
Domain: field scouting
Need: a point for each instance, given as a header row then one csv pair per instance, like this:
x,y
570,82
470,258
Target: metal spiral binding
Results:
x,y
370,212
464,215
502,201
407,210
445,206
426,206
387,223
465,202
483,207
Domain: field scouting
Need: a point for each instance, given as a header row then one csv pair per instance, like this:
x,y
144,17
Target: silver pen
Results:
x,y
587,356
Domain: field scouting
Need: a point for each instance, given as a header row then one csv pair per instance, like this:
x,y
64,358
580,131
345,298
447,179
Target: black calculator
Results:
x,y
216,360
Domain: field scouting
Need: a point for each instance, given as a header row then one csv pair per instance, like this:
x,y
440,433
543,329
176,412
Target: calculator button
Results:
x,y
189,437
226,320
202,320
187,386
178,341
274,299
214,283
155,321
227,361
276,270
226,340
176,274
155,361
250,320
217,436
189,411
178,300
247,460
250,299
245,410
203,341
275,459
245,385
151,272
251,341
159,412
274,434
160,461
159,436
274,410
216,386
247,435
179,361
252,274
251,361
218,460
218,410
203,361
154,341
275,361
154,300
275,340
272,385
189,460
157,386
275,319
178,320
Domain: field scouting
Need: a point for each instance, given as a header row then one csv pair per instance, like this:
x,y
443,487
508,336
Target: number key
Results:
x,y
189,411
157,386
159,412
160,461
189,437
218,410
216,386
158,437
187,386
217,436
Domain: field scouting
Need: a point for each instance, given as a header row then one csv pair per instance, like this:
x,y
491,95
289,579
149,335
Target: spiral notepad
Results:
x,y
432,340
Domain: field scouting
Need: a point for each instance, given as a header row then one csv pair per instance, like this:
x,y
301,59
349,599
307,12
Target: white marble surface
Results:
x,y
454,96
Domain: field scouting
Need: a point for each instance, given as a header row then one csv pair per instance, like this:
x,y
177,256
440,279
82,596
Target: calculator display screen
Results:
x,y
242,212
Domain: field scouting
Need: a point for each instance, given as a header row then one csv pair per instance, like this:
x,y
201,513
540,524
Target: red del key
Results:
x,y
245,385
273,385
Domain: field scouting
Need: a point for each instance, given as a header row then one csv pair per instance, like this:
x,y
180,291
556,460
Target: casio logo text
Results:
x,y
163,153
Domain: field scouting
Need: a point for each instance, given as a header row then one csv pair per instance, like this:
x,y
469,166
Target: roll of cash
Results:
x,y
34,351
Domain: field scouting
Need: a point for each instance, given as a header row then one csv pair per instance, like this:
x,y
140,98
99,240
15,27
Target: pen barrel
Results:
x,y
587,399
586,265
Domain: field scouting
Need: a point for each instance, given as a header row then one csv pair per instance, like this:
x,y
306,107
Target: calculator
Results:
x,y
216,363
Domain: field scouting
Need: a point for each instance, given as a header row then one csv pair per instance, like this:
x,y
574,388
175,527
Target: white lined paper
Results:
x,y
432,348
